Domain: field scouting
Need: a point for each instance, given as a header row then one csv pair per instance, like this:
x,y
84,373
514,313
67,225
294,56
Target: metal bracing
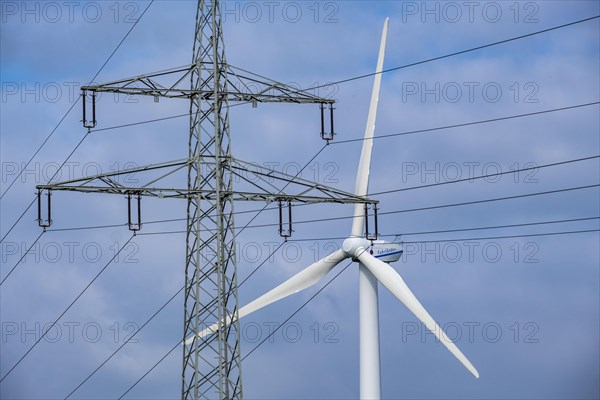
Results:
x,y
242,86
211,365
210,369
253,183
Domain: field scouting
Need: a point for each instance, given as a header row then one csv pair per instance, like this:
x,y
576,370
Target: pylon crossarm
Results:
x,y
106,178
254,183
175,193
281,184
269,88
243,86
147,84
109,182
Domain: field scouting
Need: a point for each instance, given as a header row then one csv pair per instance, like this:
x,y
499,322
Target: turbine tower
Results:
x,y
373,257
211,364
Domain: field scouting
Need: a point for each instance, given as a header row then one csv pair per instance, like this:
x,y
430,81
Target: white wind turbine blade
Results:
x,y
395,284
302,280
364,166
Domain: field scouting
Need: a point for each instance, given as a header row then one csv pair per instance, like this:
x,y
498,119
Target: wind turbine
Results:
x,y
373,259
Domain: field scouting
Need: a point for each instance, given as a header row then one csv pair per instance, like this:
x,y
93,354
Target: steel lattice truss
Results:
x,y
211,365
241,85
253,183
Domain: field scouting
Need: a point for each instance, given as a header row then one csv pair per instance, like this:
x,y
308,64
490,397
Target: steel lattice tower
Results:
x,y
210,270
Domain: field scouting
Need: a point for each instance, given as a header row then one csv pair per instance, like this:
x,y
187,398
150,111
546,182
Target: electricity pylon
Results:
x,y
211,365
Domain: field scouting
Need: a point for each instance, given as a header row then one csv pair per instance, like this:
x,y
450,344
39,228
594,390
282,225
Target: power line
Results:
x,y
40,147
484,121
438,206
256,347
485,176
168,301
140,123
33,201
252,273
69,156
367,75
388,70
149,121
310,221
371,194
339,273
562,221
177,344
402,189
520,196
286,185
60,122
331,280
68,308
151,369
22,257
125,342
117,253
391,134
456,53
484,238
151,318
458,229
18,219
146,323
378,193
261,264
160,221
83,228
462,239
258,211
298,310
121,42
76,101
508,236
259,344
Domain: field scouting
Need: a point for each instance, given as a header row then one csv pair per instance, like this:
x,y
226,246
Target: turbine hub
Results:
x,y
353,246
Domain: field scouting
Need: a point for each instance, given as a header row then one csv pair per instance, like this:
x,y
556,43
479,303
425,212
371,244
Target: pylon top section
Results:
x,y
243,86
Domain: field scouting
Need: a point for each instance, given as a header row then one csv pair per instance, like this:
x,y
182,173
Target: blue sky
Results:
x,y
524,310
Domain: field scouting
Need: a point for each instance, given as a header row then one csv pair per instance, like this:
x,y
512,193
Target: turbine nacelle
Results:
x,y
382,250
386,251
